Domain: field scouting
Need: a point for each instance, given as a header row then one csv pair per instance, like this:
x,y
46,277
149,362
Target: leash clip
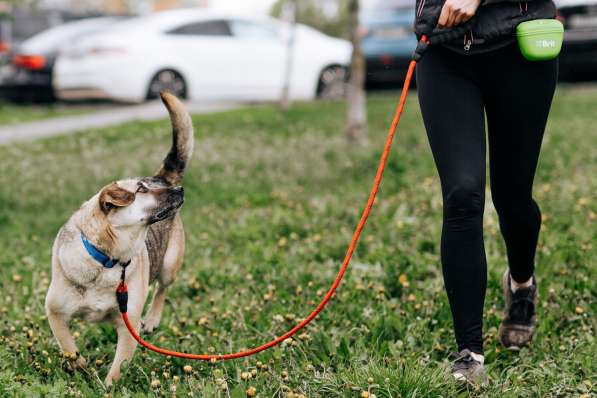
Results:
x,y
122,291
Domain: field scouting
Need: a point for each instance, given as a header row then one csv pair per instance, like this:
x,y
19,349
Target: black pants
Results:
x,y
516,94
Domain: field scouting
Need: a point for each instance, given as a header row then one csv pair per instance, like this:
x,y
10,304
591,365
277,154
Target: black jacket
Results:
x,y
495,20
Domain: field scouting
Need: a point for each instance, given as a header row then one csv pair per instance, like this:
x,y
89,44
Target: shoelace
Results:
x,y
461,360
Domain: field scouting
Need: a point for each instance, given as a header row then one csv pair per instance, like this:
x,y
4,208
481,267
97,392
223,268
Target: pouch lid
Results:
x,y
539,26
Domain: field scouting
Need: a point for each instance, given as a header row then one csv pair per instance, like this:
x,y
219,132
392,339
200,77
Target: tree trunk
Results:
x,y
356,129
289,15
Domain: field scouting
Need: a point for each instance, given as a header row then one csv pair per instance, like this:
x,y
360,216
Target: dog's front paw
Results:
x,y
149,324
74,360
110,379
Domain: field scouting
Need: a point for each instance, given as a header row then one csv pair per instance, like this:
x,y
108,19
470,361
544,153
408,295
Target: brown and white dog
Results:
x,y
133,219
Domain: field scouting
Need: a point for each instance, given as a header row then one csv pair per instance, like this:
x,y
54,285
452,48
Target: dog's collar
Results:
x,y
101,257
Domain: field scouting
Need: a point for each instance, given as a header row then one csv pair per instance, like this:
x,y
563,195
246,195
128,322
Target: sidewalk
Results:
x,y
110,117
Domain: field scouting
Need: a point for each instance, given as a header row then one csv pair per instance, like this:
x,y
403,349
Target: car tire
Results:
x,y
332,82
167,80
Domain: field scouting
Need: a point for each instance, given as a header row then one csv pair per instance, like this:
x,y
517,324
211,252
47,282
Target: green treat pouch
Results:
x,y
540,39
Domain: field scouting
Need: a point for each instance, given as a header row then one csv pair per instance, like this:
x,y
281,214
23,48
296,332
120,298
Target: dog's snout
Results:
x,y
178,190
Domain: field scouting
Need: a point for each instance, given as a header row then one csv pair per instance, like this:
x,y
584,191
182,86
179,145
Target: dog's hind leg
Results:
x,y
153,316
172,263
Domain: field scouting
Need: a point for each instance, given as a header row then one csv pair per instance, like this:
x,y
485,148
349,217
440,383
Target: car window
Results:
x,y
51,39
204,28
252,30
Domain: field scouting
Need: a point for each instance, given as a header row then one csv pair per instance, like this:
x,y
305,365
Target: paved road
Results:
x,y
117,115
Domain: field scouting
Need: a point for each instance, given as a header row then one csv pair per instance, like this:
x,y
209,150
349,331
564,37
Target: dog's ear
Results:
x,y
114,196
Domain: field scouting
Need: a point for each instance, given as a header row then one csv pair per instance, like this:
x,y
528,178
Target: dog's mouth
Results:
x,y
167,212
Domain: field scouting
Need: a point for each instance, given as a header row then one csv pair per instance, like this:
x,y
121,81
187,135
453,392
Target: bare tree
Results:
x,y
328,16
356,129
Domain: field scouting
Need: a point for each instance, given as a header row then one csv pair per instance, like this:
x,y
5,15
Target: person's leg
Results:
x,y
452,108
517,98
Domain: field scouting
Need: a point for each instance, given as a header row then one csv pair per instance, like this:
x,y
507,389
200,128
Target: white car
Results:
x,y
201,55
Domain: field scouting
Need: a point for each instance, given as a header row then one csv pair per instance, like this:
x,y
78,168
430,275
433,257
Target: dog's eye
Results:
x,y
142,188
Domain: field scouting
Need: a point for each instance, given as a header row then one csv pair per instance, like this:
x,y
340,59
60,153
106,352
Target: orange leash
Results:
x,y
122,290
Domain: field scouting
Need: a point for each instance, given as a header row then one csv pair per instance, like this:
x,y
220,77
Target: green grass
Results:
x,y
22,113
271,203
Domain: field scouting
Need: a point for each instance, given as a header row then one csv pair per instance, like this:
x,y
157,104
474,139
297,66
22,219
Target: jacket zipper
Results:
x,y
468,42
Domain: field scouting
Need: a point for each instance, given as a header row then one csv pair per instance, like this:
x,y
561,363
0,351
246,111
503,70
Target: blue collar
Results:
x,y
100,256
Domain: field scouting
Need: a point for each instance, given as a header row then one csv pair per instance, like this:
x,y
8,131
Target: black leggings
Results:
x,y
516,94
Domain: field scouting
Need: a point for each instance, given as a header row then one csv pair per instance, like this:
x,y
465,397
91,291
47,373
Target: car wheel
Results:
x,y
332,83
167,80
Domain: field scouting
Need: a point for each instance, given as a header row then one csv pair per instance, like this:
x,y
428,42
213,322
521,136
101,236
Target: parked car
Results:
x,y
578,60
29,74
388,39
200,54
4,54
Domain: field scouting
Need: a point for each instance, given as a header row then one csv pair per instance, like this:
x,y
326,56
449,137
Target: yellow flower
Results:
x,y
251,391
403,280
579,310
187,369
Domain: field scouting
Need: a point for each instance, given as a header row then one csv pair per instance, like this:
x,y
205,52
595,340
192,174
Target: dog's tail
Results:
x,y
176,161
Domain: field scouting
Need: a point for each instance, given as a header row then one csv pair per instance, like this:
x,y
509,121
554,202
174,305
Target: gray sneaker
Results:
x,y
467,369
518,326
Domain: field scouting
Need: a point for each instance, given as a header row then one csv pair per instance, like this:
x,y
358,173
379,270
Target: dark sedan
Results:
x,y
578,60
388,39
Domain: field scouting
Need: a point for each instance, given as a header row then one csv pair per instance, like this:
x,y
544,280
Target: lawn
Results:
x,y
272,199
